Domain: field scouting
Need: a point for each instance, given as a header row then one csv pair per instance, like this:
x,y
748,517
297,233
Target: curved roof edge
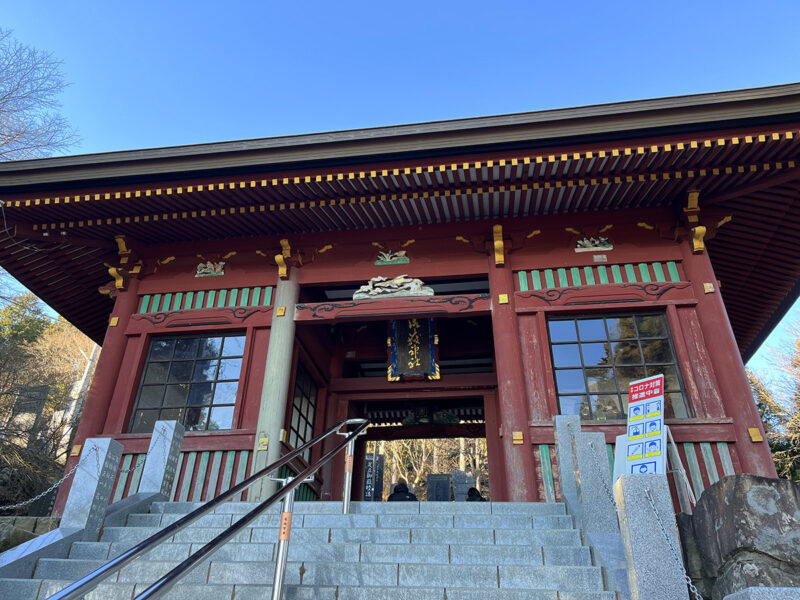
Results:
x,y
671,112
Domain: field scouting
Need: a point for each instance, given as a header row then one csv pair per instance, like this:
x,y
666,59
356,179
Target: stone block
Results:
x,y
654,572
747,569
405,553
374,593
104,591
324,574
494,521
20,589
538,537
567,427
63,568
567,579
290,592
366,535
415,575
746,512
45,524
91,486
90,550
11,536
193,591
339,521
452,508
452,536
597,510
403,521
495,555
569,556
766,593
524,508
326,552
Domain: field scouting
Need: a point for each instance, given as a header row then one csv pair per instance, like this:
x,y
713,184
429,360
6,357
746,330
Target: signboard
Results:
x,y
438,487
646,439
373,478
412,350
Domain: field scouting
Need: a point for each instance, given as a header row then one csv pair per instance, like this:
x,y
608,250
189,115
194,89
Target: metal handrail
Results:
x,y
89,582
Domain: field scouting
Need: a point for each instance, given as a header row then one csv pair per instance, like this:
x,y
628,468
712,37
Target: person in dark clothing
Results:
x,y
473,495
401,493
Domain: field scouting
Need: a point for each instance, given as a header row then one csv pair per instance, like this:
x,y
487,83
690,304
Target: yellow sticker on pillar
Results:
x,y
263,443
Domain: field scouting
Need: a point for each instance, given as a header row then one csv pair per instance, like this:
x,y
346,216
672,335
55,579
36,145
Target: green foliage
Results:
x,y
22,320
40,361
779,407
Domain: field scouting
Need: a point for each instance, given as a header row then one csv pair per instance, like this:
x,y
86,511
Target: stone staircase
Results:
x,y
398,551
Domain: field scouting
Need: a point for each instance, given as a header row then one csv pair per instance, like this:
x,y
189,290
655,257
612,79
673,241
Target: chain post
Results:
x,y
693,590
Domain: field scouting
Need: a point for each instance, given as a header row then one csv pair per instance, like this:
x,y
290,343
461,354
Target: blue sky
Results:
x,y
148,74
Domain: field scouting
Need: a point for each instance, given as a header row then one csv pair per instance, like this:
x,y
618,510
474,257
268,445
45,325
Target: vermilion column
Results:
x,y
98,400
727,363
520,473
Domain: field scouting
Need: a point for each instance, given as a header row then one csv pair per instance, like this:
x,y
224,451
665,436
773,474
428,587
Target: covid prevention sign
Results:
x,y
646,444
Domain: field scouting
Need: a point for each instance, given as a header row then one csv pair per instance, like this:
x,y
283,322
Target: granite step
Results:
x,y
37,589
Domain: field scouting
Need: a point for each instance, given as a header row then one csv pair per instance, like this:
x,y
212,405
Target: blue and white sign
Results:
x,y
643,450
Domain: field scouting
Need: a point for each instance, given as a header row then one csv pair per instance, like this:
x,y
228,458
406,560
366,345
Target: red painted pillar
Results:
x,y
98,400
727,363
520,473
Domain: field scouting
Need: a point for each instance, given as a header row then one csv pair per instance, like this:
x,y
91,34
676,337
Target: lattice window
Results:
x,y
596,357
304,408
191,379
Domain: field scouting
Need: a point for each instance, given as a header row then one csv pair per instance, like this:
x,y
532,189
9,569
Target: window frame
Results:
x,y
241,380
300,364
620,393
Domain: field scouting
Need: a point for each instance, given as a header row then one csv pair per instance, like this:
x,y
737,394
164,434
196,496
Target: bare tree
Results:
x,y
30,83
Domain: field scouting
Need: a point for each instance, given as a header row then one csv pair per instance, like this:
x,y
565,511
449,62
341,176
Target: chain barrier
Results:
x,y
161,432
602,477
66,476
693,590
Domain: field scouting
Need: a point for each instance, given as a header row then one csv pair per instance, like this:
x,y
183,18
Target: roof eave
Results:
x,y
674,113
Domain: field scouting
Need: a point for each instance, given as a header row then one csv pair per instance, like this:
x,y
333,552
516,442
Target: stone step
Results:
x,y
393,521
353,552
380,535
475,576
335,508
17,589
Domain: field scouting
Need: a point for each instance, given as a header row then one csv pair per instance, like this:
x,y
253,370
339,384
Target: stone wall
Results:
x,y
16,530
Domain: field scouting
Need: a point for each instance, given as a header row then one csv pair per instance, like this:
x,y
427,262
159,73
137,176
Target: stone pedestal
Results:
x,y
158,474
598,513
91,486
652,551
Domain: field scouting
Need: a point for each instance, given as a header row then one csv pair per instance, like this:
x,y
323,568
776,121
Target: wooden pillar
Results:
x,y
540,390
98,400
277,376
727,363
520,473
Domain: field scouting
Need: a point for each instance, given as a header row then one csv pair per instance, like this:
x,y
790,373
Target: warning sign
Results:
x,y
645,443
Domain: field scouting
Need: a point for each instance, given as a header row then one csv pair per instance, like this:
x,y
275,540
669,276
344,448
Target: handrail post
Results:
x,y
348,471
284,533
348,476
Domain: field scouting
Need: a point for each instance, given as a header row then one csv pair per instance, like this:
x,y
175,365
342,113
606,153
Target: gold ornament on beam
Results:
x,y
499,250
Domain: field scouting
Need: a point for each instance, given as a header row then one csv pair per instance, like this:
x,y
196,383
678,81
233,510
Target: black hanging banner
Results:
x,y
412,350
